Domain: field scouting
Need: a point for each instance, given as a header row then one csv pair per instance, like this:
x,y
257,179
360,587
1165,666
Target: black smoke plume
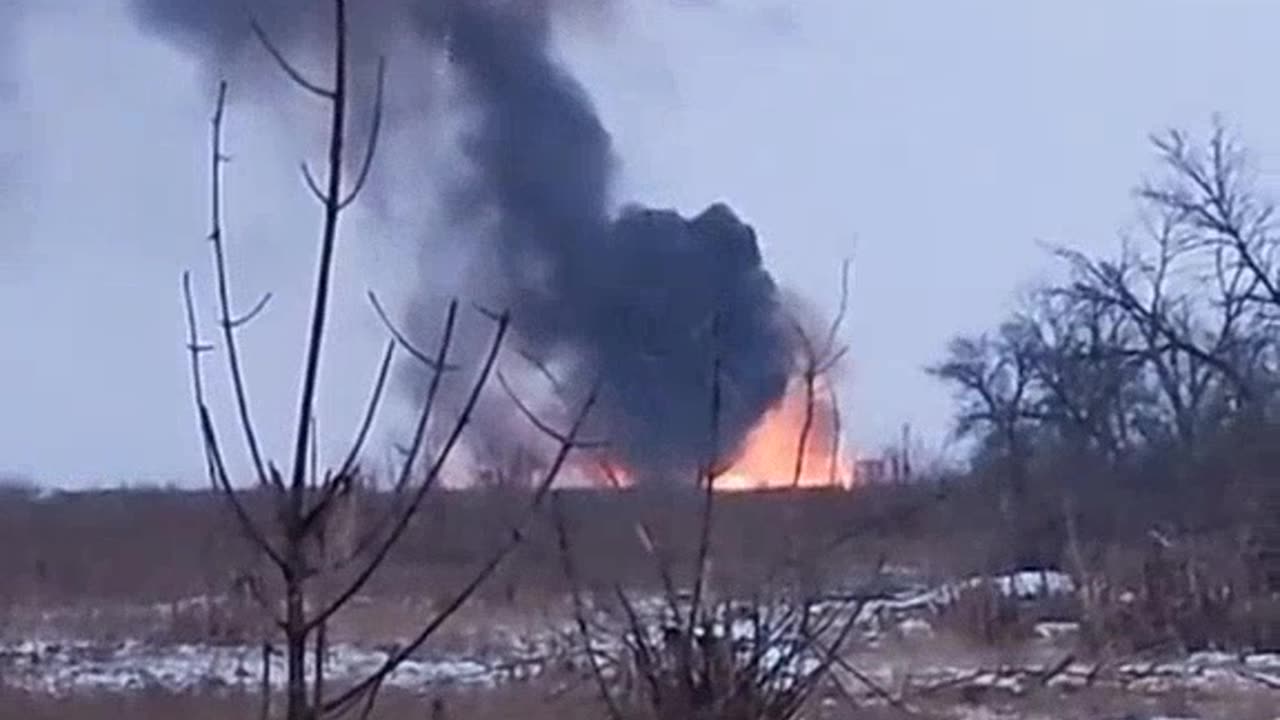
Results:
x,y
645,300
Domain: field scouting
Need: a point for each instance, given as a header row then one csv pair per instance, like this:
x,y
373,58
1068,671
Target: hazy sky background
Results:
x,y
935,142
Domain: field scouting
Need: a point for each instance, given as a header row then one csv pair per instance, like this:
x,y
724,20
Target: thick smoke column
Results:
x,y
646,301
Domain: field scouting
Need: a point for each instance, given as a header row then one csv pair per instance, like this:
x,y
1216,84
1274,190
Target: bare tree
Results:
x,y
1085,390
1160,343
1210,190
321,557
994,378
701,655
995,381
1149,363
1186,336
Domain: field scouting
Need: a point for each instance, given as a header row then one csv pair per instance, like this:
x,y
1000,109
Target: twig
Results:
x,y
371,411
402,522
229,326
491,566
709,481
375,130
403,341
288,67
579,612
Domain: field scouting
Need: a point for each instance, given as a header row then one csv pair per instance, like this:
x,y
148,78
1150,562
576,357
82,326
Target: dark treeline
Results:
x,y
1136,397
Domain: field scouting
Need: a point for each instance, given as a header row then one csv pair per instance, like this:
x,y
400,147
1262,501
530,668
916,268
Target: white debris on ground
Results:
x,y
498,654
879,613
63,668
1199,672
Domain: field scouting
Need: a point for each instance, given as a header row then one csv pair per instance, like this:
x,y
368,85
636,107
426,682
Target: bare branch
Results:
x,y
375,130
214,462
404,341
315,451
537,422
371,699
836,438
402,521
312,184
371,411
441,362
710,473
482,575
556,384
223,482
489,313
579,610
409,454
229,326
834,330
194,346
288,67
806,427
249,316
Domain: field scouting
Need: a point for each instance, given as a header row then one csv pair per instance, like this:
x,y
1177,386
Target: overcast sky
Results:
x,y
937,143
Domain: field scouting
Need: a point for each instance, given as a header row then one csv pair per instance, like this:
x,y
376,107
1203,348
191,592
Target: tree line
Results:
x,y
1143,381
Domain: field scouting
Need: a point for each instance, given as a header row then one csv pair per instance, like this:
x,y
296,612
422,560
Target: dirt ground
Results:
x,y
145,578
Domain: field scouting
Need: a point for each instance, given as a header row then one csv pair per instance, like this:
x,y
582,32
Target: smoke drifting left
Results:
x,y
643,300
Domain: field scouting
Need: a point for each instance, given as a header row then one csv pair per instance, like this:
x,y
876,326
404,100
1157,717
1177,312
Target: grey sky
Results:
x,y
937,142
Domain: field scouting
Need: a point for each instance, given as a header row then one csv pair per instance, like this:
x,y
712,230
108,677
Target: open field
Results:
x,y
130,604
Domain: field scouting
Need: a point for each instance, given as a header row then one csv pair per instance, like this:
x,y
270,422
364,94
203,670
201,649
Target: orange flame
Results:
x,y
767,459
769,454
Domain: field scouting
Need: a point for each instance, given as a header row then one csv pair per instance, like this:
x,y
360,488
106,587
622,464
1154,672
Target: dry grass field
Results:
x,y
125,604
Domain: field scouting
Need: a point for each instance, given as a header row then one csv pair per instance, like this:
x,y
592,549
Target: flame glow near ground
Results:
x,y
767,459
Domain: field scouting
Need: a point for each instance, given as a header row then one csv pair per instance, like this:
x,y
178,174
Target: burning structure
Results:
x,y
676,319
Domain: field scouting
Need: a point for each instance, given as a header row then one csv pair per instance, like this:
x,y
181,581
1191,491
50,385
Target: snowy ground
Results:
x,y
878,670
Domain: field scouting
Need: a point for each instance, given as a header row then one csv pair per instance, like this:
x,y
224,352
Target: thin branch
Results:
x,y
833,359
579,610
557,385
644,651
537,422
288,67
194,347
315,451
409,454
375,130
221,480
440,362
806,427
371,699
214,462
402,340
495,561
489,313
834,330
320,650
836,438
708,501
249,316
875,687
312,184
217,160
402,522
371,411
